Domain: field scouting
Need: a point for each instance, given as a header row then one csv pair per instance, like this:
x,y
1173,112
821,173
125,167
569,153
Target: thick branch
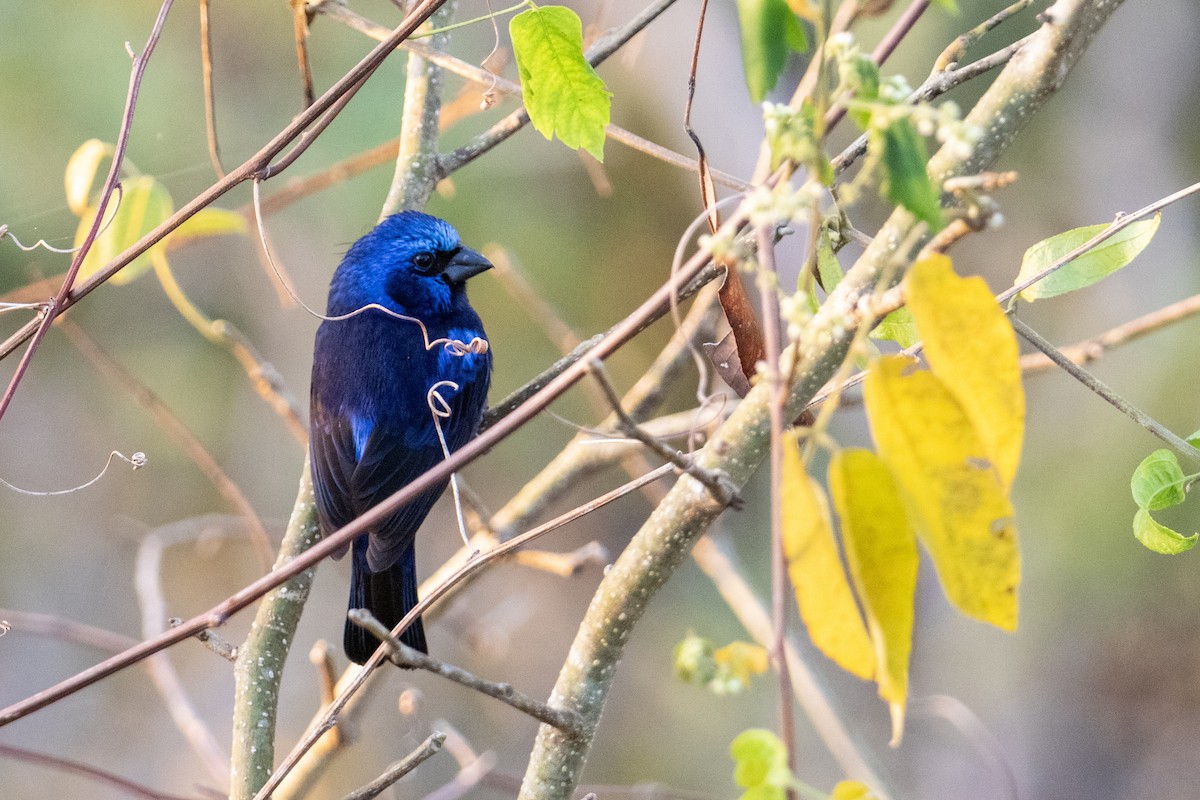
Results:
x,y
742,443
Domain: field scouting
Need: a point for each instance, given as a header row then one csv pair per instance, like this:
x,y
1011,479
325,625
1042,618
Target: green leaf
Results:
x,y
562,93
906,183
694,661
1194,439
792,134
794,35
760,763
1097,263
861,75
898,327
829,269
766,38
143,204
1158,481
1160,538
948,5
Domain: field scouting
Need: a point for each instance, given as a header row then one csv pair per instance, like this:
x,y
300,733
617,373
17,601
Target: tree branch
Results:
x,y
741,444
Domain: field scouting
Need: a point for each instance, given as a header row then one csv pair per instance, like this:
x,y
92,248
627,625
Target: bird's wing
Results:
x,y
389,462
333,462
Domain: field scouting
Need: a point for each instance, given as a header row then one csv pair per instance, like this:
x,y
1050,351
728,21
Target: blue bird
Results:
x,y
373,429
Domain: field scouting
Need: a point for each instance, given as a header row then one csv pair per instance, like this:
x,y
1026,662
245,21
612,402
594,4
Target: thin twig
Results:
x,y
406,657
716,559
58,303
564,565
123,785
903,25
955,51
300,33
395,772
148,584
305,128
174,428
1096,346
357,680
210,101
780,582
497,83
1096,385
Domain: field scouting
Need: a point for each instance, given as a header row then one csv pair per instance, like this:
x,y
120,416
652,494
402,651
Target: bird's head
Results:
x,y
412,262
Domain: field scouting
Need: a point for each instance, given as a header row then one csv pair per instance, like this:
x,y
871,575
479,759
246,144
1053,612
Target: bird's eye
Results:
x,y
424,262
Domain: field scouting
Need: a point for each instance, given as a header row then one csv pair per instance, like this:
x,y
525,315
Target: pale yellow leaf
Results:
x,y
971,348
823,592
144,203
81,173
207,222
962,511
881,550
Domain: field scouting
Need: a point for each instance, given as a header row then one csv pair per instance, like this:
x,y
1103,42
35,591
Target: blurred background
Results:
x,y
1097,695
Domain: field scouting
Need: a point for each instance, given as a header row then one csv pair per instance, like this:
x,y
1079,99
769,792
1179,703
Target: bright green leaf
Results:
x,y
794,35
562,93
948,5
897,327
765,42
971,348
1158,481
1194,439
760,760
962,511
1101,261
881,550
823,592
143,204
1160,538
207,222
906,183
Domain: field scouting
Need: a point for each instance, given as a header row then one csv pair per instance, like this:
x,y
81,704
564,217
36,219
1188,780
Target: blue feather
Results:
x,y
372,429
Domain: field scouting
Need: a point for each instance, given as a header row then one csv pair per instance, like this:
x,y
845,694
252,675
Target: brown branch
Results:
x,y
406,657
356,681
174,428
1093,348
305,128
58,303
210,100
423,753
300,33
96,774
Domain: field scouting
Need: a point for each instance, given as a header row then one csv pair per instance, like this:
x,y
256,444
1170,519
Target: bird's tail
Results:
x,y
388,595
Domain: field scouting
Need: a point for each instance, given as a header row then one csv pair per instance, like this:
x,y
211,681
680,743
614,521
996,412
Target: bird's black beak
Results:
x,y
467,263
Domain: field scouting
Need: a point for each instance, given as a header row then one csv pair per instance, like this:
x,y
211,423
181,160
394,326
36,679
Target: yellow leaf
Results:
x,y
207,222
81,173
822,591
882,553
852,790
971,348
962,512
143,204
742,660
